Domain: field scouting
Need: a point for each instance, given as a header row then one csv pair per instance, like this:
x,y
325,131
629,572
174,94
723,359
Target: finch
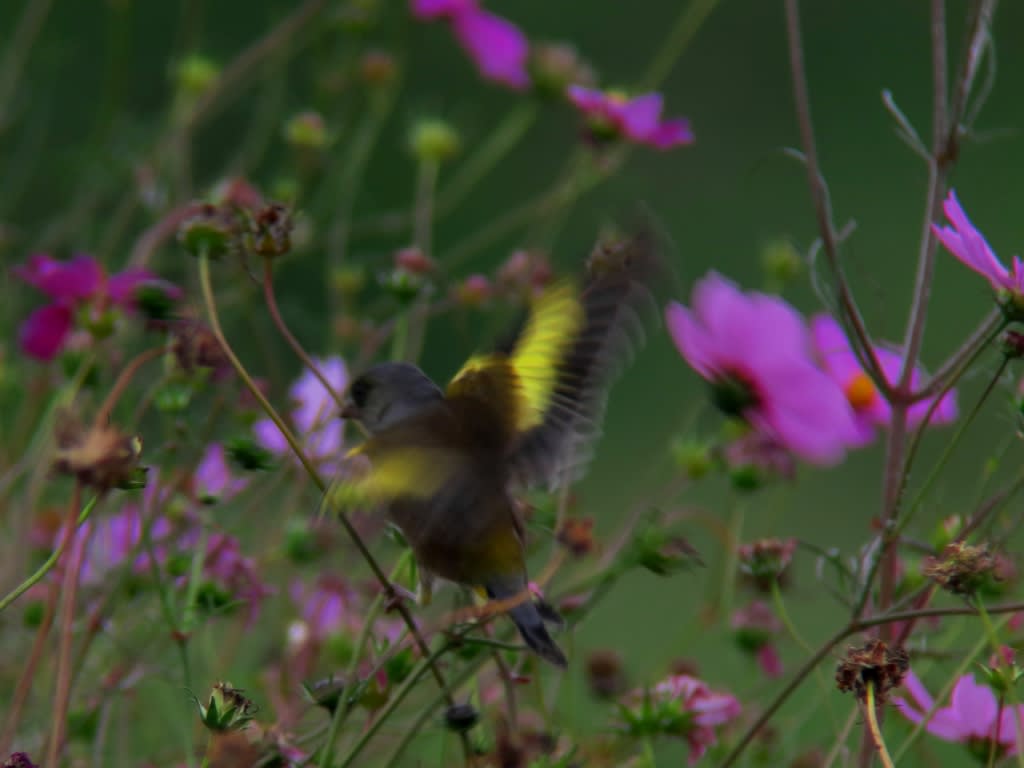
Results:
x,y
446,464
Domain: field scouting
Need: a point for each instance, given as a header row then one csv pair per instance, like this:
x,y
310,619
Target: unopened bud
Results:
x,y
227,709
414,261
210,231
781,262
555,66
474,291
433,140
378,68
461,717
307,131
195,74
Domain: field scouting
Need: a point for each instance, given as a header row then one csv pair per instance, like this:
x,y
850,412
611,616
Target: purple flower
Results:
x,y
974,717
315,418
329,606
213,479
965,242
754,349
638,119
235,574
871,409
496,45
71,285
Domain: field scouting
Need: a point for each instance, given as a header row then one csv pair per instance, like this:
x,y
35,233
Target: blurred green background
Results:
x,y
94,95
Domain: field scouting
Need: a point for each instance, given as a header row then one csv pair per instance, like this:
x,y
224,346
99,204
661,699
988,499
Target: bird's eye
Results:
x,y
359,391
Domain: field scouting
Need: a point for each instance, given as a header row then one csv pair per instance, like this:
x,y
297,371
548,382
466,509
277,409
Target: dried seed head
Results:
x,y
195,346
605,674
961,568
100,456
577,535
461,717
270,231
766,561
872,664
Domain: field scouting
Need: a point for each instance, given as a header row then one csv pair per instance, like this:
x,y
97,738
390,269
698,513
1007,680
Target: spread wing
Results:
x,y
551,380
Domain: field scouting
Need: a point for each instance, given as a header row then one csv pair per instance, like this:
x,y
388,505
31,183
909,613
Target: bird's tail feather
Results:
x,y
529,618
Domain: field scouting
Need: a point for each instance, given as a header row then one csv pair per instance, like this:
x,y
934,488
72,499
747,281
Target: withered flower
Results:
x,y
100,456
577,535
606,677
961,568
195,346
270,231
766,561
873,664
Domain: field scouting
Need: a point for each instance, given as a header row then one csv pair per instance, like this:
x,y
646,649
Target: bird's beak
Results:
x,y
349,410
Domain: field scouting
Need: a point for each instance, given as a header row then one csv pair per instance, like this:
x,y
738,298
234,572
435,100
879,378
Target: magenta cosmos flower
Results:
x,y
973,717
870,408
755,351
497,46
71,285
965,242
213,480
637,119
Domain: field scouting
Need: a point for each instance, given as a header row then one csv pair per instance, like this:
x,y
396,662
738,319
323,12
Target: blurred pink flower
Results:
x,y
314,417
226,567
871,409
638,119
755,626
328,606
496,45
70,285
755,350
973,718
965,242
213,479
681,706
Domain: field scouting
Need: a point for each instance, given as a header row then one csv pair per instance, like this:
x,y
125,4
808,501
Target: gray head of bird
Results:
x,y
387,394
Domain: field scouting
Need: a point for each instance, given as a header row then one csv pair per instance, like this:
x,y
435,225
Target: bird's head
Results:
x,y
387,394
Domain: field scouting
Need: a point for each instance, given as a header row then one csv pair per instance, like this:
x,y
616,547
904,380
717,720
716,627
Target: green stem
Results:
x,y
51,561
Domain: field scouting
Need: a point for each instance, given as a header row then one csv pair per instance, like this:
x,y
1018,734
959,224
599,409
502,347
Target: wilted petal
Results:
x,y
44,331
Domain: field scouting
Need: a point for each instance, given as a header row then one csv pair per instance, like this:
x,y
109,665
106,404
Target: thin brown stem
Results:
x,y
819,195
162,231
123,380
275,314
69,588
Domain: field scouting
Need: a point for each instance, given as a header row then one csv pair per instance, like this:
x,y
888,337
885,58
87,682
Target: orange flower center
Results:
x,y
861,392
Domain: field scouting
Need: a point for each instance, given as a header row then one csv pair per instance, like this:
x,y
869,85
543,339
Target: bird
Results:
x,y
447,464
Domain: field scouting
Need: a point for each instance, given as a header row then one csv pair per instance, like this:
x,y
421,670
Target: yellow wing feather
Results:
x,y
523,382
376,477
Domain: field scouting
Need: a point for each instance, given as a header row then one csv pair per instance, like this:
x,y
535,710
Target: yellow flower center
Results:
x,y
861,392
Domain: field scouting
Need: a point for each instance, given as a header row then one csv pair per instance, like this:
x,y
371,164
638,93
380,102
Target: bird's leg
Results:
x,y
421,597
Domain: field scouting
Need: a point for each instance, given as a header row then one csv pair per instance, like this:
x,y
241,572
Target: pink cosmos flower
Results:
x,y
232,572
681,706
71,285
329,606
213,479
638,119
973,717
755,627
870,408
315,416
965,242
755,350
496,45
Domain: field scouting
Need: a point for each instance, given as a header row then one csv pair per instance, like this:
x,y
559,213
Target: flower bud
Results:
x,y
195,75
1002,672
227,709
325,693
461,717
195,346
403,285
693,457
307,131
474,291
555,66
211,231
349,280
781,262
577,535
766,561
434,141
659,552
378,69
414,261
606,677
248,454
